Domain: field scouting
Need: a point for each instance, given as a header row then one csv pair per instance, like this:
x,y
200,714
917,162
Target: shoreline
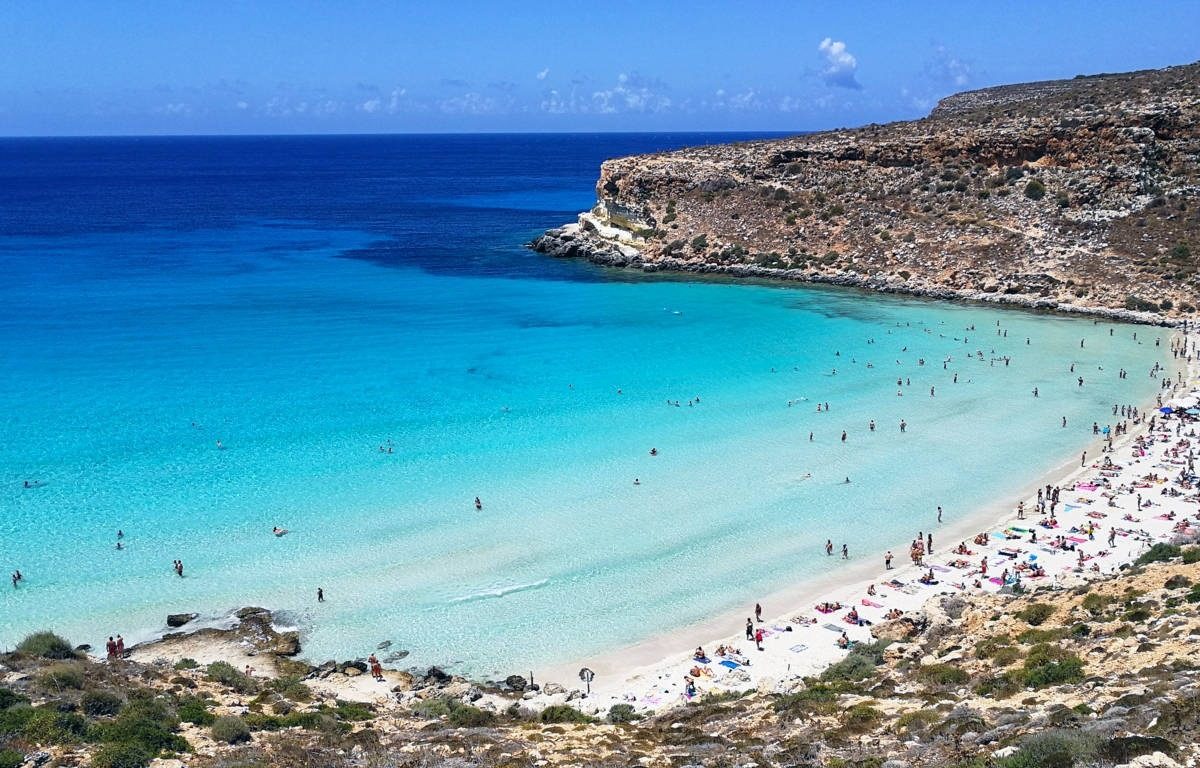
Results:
x,y
571,241
654,660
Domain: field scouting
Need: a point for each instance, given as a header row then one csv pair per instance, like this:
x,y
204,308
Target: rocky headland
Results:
x,y
1077,195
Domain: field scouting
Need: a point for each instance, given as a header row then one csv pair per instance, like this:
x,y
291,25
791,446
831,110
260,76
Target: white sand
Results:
x,y
796,647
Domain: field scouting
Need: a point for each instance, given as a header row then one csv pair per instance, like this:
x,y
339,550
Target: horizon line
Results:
x,y
350,134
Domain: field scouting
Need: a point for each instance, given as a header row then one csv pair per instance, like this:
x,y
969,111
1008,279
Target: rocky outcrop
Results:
x,y
1079,195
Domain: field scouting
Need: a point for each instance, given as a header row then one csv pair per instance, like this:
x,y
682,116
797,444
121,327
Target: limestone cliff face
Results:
x,y
1079,194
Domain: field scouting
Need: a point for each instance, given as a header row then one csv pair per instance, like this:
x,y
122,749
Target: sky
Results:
x,y
117,67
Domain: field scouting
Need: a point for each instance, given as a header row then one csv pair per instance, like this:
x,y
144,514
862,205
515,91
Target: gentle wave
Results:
x,y
488,594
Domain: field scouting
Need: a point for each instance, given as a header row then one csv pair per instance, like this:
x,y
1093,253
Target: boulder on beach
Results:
x,y
515,682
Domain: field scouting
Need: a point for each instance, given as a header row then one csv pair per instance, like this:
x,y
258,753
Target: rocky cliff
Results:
x,y
1077,195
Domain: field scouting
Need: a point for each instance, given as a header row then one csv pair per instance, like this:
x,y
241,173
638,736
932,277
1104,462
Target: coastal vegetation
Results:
x,y
1092,674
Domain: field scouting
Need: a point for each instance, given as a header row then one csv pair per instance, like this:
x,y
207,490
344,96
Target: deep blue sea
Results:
x,y
205,338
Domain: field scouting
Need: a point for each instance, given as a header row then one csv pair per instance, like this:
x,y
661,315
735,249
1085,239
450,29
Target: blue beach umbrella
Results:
x,y
1165,409
1193,411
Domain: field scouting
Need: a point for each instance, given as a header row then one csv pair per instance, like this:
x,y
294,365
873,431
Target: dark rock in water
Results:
x,y
395,656
179,619
435,676
288,644
1124,748
252,612
384,645
515,682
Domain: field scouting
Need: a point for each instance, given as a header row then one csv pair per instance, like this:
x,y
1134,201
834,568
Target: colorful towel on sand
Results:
x,y
871,603
1077,539
730,664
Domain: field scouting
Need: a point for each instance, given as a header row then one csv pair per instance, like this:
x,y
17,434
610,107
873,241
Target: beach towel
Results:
x,y
1077,539
833,627
799,648
730,664
996,580
871,603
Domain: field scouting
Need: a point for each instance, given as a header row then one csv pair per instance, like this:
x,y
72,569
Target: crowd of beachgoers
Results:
x,y
1137,488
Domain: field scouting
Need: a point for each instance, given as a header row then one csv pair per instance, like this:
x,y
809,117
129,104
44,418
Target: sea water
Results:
x,y
356,323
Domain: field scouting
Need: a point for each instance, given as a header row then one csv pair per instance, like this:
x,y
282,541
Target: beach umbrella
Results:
x,y
1165,409
1193,411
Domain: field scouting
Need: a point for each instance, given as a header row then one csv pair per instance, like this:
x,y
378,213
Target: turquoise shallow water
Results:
x,y
538,386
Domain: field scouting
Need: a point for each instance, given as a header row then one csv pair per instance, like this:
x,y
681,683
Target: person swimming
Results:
x,y
478,504
279,531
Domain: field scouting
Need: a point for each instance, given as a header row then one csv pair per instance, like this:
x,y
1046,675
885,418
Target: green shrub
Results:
x,y
10,758
942,675
226,674
47,645
101,703
854,667
622,713
1050,665
186,663
146,722
466,716
1194,595
14,718
230,730
1035,190
816,697
64,675
1080,630
1035,614
353,711
1002,685
561,713
917,722
291,687
195,710
1159,553
1191,555
1094,603
49,726
1034,636
121,755
435,707
9,699
861,716
1053,749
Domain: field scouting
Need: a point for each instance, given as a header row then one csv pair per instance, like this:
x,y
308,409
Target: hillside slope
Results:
x,y
1080,195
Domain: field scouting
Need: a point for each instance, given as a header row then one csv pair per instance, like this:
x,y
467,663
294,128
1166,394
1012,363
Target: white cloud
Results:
x,y
243,105
370,106
840,64
947,70
632,93
543,74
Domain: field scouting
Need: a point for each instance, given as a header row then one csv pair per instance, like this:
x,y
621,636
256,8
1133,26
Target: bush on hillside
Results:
x,y
1159,553
226,674
622,713
1053,749
122,755
230,730
47,645
62,675
561,713
1035,190
1035,614
101,703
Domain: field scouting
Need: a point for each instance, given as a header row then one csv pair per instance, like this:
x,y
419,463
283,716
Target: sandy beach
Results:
x,y
1102,493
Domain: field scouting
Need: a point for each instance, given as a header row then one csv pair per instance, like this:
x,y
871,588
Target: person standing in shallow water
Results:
x,y
829,547
320,595
887,561
757,612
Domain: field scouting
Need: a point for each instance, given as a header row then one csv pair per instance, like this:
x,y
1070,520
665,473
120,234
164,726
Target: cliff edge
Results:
x,y
1077,195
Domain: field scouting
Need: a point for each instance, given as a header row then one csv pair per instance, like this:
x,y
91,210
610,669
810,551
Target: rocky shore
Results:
x,y
1099,673
1074,196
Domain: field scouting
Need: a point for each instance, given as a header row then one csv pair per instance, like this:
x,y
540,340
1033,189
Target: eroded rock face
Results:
x,y
1078,195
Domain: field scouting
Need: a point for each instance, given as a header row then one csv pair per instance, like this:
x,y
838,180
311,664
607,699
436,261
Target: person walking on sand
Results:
x,y
887,561
749,629
758,612
758,638
1083,459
